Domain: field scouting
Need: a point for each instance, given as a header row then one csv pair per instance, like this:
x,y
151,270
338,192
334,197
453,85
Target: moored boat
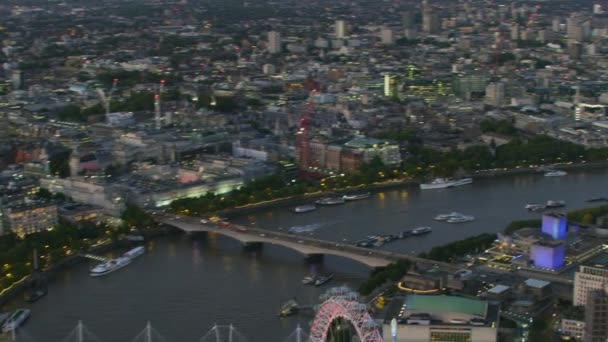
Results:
x,y
309,280
36,295
555,173
356,197
135,252
555,204
330,201
535,207
304,208
289,308
421,230
442,183
323,279
461,219
15,320
110,266
445,217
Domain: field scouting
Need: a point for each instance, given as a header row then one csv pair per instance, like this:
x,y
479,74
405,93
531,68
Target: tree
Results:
x,y
59,164
587,219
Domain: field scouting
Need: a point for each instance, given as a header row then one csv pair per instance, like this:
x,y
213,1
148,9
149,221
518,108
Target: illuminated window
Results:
x,y
445,336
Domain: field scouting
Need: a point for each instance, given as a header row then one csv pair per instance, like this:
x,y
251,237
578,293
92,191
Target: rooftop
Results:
x,y
446,303
536,283
365,142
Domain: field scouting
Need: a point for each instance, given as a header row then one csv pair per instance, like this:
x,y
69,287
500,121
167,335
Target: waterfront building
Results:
x,y
548,254
274,42
29,217
444,318
554,224
387,151
587,279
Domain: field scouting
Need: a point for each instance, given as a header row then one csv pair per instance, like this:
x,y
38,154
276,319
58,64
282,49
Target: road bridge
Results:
x,y
304,245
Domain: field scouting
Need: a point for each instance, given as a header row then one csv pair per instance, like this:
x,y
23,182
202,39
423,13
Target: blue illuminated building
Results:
x,y
554,225
548,254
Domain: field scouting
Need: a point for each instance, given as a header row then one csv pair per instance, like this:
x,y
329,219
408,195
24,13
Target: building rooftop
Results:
x,y
536,283
498,289
446,303
365,142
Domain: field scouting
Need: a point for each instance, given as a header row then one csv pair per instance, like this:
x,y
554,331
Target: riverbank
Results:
x,y
390,185
20,287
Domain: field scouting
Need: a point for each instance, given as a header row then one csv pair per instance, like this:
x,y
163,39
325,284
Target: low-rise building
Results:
x,y
444,318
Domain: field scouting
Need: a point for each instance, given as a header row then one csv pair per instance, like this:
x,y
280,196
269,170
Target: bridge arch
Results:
x,y
342,303
307,250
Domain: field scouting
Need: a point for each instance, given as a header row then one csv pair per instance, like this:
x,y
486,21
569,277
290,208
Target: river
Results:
x,y
184,286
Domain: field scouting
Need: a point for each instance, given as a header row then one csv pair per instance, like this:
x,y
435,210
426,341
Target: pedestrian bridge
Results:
x,y
304,245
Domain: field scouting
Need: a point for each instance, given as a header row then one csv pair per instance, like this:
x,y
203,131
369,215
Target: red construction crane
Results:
x,y
303,139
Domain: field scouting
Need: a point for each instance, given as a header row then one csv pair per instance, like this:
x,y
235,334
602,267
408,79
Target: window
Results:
x,y
445,336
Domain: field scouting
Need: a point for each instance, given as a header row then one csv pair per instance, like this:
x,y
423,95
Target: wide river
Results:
x,y
184,286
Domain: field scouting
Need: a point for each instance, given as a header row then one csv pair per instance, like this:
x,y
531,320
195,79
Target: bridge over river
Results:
x,y
306,246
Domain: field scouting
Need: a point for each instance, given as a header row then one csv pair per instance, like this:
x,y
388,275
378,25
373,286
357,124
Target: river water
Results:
x,y
184,286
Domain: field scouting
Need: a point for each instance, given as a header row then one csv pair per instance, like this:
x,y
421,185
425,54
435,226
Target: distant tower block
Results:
x,y
555,225
157,114
340,29
74,162
274,42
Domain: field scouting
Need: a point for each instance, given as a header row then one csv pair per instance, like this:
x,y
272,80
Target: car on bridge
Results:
x,y
241,229
223,224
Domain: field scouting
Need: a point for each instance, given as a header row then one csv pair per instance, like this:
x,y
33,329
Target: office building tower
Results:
x,y
514,31
495,94
587,279
430,20
340,29
274,42
596,316
387,37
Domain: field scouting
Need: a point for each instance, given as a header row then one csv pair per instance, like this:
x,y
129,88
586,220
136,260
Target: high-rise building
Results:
x,y
514,31
596,316
430,20
495,94
17,79
386,34
340,29
587,279
390,85
274,42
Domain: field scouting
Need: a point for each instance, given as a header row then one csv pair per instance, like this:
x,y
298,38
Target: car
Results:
x,y
223,224
204,221
300,241
263,235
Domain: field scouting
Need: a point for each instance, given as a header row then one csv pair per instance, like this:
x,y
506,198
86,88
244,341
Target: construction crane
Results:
x,y
106,100
303,140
